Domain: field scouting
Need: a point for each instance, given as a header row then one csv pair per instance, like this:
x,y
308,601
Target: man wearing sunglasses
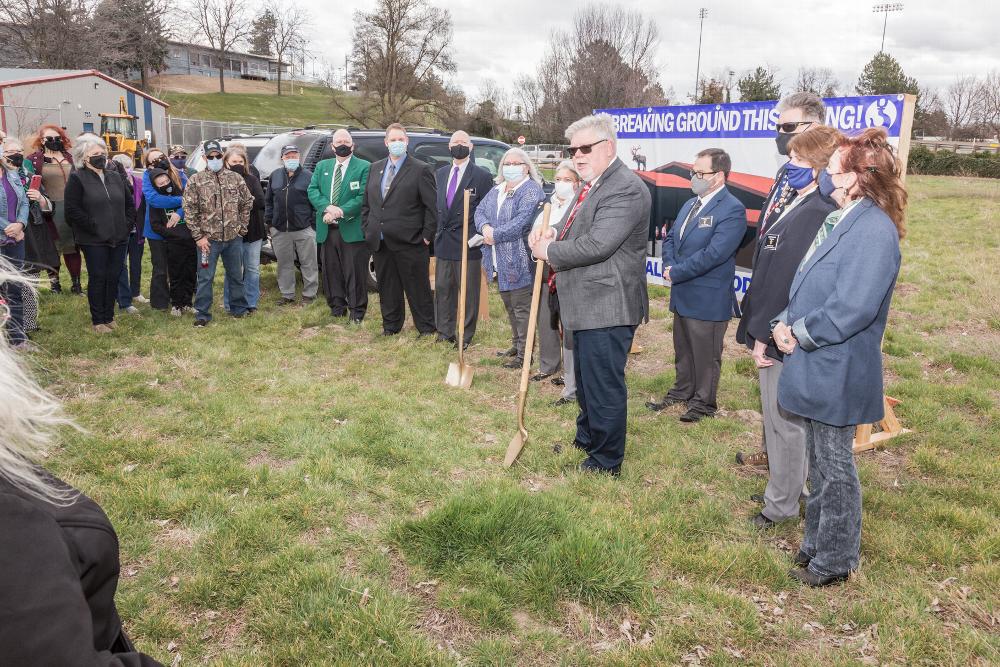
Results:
x,y
700,258
599,262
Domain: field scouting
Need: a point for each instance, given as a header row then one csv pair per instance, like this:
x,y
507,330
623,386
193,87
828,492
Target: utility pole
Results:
x,y
729,86
886,8
702,13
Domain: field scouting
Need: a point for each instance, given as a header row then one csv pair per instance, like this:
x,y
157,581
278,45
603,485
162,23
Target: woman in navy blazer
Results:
x,y
831,334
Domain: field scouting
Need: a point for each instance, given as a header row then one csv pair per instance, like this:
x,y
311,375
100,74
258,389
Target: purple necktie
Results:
x,y
452,186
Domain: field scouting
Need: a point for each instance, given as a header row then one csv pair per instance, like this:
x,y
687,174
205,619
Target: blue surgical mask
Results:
x,y
215,164
513,172
826,185
397,148
291,165
799,177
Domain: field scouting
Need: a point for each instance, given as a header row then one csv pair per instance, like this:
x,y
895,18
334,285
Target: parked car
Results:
x,y
546,151
253,142
427,146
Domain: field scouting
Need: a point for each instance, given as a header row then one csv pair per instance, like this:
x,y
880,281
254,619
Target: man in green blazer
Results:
x,y
336,192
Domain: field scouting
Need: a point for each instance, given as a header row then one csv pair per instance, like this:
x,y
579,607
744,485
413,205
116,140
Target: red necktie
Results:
x,y
569,223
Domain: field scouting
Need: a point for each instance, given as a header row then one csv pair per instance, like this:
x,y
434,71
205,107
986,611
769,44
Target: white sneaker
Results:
x,y
132,310
176,312
140,299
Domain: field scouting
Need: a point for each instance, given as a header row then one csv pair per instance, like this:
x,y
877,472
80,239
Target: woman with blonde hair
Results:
x,y
831,336
59,559
504,218
159,282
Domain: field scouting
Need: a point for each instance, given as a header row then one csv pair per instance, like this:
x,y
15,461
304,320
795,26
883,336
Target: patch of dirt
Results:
x,y
359,523
905,289
657,349
605,633
175,536
133,362
537,484
314,536
190,83
264,458
309,332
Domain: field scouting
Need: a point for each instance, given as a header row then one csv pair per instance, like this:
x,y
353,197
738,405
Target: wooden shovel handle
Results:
x,y
536,297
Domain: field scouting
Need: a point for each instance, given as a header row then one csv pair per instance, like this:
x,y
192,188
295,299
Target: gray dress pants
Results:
x,y
697,362
549,344
518,305
785,440
288,245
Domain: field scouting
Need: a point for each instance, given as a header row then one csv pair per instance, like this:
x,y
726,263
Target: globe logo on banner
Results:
x,y
880,113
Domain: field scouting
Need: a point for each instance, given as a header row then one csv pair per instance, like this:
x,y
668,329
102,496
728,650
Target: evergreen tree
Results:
x,y
883,75
262,33
759,85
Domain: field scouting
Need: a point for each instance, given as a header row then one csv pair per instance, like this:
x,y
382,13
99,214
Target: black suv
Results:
x,y
427,146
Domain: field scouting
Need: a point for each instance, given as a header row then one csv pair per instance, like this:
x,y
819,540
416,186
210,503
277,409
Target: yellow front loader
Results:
x,y
119,132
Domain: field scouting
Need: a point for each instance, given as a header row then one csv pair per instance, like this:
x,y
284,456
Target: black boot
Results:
x,y
76,288
55,286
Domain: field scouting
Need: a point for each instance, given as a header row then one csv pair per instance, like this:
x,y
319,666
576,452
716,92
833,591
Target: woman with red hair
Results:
x,y
831,335
51,159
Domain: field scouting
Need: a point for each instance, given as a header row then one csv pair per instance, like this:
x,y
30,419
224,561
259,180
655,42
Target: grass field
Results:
x,y
307,105
289,491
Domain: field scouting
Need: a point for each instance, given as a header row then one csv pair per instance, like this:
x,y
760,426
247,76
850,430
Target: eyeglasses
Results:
x,y
513,164
214,156
585,149
702,174
788,128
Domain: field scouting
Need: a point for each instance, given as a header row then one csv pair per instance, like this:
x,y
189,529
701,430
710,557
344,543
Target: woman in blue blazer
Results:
x,y
831,333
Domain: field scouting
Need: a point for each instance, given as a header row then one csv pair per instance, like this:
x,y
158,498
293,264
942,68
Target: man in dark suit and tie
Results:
x,y
337,191
699,254
452,181
599,261
399,218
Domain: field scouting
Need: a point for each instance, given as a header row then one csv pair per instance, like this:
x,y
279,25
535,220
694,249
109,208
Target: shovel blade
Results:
x,y
467,372
454,376
514,448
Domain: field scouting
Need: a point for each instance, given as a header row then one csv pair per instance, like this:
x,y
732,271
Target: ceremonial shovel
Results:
x,y
521,437
460,374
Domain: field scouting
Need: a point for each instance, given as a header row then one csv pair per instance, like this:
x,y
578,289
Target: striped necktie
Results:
x,y
821,234
338,177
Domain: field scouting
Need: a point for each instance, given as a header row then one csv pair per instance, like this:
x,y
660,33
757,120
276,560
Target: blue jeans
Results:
x,y
128,281
14,253
833,511
251,275
232,260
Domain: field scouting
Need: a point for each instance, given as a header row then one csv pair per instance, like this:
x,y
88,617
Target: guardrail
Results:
x,y
961,147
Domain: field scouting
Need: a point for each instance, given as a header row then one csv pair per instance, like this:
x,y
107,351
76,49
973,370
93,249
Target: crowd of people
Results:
x,y
826,258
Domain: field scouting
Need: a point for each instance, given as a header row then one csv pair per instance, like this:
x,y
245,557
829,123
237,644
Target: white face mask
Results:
x,y
565,189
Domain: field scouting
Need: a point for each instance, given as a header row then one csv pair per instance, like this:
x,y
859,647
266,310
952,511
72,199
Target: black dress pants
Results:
x,y
345,275
182,271
447,285
405,271
159,289
104,266
599,357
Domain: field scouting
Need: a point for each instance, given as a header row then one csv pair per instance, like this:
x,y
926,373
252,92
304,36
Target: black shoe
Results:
x,y
306,300
285,301
662,405
563,401
757,498
810,578
424,334
511,352
538,377
389,333
454,345
588,466
76,287
801,559
558,381
251,311
692,416
761,522
198,322
513,363
336,313
240,316
55,286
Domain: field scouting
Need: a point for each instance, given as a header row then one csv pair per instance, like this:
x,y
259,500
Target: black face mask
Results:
x,y
98,161
239,169
167,189
54,143
343,151
459,152
162,163
782,141
17,160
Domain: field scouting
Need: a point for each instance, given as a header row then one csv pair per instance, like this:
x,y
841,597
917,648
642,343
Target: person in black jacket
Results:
x,y
776,260
452,181
100,211
289,212
399,218
59,560
181,252
236,160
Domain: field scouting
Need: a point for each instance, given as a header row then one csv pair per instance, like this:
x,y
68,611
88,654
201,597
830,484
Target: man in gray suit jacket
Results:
x,y
599,259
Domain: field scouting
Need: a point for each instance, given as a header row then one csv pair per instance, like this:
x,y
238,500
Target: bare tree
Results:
x,y
401,50
818,80
989,103
289,35
961,101
49,33
223,24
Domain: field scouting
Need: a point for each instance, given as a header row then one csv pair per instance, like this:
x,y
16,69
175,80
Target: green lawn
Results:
x,y
289,491
306,105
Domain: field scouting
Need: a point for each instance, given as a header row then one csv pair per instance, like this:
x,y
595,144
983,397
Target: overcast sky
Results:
x,y
934,40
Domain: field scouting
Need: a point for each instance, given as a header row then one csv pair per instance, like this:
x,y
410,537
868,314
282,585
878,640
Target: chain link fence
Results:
x,y
192,131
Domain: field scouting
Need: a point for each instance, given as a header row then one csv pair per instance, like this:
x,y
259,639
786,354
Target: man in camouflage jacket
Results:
x,y
217,206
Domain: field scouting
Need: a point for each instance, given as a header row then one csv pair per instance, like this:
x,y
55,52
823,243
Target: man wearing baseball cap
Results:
x,y
289,214
217,204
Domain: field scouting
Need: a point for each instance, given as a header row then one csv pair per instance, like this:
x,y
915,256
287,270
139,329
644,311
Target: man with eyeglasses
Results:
x,y
599,263
699,254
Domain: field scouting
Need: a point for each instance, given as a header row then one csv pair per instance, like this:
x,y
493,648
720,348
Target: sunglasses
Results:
x,y
585,149
788,128
213,156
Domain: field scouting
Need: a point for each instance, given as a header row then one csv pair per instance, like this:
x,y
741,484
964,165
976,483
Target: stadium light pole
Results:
x,y
702,13
886,8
